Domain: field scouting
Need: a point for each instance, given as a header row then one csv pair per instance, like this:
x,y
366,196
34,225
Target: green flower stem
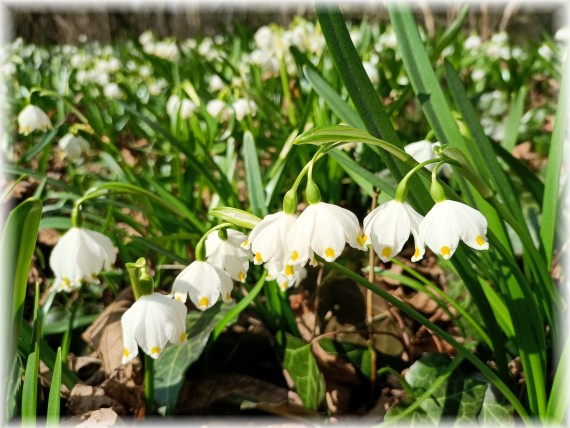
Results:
x,y
436,189
290,199
141,281
201,245
148,385
402,189
486,370
76,218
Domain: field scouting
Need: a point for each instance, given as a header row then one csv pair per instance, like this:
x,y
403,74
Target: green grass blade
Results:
x,y
30,389
253,176
17,246
332,99
514,120
552,182
558,401
54,392
450,33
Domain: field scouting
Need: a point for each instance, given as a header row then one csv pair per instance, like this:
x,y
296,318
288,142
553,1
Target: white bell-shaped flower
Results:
x,y
80,255
448,222
422,151
283,281
73,146
228,254
203,283
268,240
243,107
217,108
33,118
388,227
151,322
323,229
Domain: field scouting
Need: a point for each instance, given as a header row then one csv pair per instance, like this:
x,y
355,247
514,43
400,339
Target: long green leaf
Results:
x,y
552,182
30,389
253,176
558,402
514,120
18,244
54,392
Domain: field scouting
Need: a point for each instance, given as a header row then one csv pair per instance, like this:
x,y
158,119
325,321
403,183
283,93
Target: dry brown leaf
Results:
x,y
196,396
105,335
125,386
422,302
85,398
98,418
48,237
88,369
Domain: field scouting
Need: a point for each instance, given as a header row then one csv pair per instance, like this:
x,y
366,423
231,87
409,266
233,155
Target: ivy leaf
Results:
x,y
171,366
300,362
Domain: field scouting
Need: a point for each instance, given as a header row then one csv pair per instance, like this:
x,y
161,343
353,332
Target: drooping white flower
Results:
x,y
283,281
448,222
73,146
184,107
216,83
372,72
422,151
33,118
388,227
151,322
269,241
203,283
473,42
217,108
80,255
228,254
243,107
112,90
323,229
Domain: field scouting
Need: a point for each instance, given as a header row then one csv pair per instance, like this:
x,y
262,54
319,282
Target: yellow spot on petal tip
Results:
x,y
417,252
284,285
387,252
182,337
228,296
361,239
66,281
294,255
329,253
445,251
241,276
126,353
245,243
204,302
179,298
289,270
480,240
155,350
258,258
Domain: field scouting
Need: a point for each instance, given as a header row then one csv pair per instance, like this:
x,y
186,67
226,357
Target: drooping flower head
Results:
x,y
33,118
203,283
284,282
73,146
323,229
448,222
268,240
388,227
151,322
228,253
79,256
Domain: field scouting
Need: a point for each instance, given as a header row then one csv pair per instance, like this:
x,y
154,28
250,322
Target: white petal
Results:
x,y
201,281
299,241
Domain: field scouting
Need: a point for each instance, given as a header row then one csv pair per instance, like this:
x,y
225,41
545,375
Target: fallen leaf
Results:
x,y
105,335
85,398
100,418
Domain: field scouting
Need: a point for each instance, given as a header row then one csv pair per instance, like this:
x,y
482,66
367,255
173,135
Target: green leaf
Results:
x,y
365,179
236,216
171,365
459,396
332,99
557,407
495,411
253,176
300,363
553,168
69,378
30,389
54,392
37,148
18,244
514,120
